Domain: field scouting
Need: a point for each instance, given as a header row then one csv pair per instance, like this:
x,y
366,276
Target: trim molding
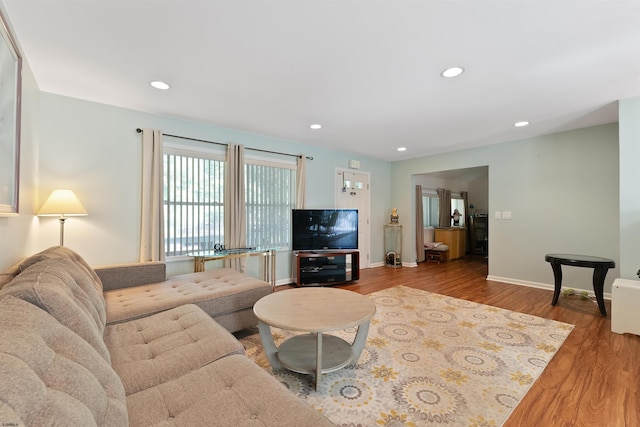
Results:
x,y
536,285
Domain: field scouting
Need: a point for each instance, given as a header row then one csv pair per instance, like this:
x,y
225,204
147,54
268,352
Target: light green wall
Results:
x,y
562,190
568,192
94,149
629,113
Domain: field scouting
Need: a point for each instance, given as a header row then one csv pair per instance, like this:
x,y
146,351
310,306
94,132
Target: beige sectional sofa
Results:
x,y
62,363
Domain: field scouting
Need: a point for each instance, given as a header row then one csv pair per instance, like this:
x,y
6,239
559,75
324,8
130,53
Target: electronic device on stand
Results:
x,y
325,243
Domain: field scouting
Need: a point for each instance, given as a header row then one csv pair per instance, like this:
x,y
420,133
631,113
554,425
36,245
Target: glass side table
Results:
x,y
393,245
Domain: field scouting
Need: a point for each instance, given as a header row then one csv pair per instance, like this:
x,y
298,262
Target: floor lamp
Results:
x,y
62,203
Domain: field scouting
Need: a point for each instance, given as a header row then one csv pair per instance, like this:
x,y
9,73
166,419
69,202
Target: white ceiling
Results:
x,y
367,70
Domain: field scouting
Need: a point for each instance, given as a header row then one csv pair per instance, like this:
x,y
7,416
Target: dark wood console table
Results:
x,y
600,267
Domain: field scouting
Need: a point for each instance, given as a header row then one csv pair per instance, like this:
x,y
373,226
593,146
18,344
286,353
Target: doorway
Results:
x,y
474,181
352,192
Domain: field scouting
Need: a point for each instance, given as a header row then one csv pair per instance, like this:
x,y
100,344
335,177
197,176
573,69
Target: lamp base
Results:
x,y
62,220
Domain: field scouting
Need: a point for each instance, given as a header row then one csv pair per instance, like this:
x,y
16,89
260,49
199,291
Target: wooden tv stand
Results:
x,y
312,268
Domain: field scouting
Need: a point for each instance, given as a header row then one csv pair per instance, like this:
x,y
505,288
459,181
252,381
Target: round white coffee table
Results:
x,y
314,310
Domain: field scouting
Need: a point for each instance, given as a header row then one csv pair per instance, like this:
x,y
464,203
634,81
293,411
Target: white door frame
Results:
x,y
365,231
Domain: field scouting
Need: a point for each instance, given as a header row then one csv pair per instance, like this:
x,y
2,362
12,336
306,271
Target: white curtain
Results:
x,y
152,220
419,225
301,173
235,215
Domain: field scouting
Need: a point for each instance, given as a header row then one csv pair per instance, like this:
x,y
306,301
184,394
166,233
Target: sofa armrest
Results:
x,y
129,275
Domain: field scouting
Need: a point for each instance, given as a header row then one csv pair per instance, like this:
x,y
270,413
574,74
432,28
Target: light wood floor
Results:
x,y
593,380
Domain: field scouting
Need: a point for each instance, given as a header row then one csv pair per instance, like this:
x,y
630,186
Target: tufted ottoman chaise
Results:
x,y
136,290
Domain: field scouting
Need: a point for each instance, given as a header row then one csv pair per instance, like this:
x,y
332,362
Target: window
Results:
x,y
430,208
270,194
458,203
193,201
431,216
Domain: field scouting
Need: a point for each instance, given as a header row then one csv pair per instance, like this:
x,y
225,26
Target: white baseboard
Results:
x,y
535,284
511,281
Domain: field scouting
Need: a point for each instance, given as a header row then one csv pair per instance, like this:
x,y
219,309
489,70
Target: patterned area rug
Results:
x,y
430,360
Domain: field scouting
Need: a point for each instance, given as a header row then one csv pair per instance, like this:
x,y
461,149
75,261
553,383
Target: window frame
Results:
x,y
426,210
207,152
460,207
431,193
218,153
287,164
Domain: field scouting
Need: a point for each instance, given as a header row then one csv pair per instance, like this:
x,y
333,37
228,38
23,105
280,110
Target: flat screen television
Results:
x,y
324,229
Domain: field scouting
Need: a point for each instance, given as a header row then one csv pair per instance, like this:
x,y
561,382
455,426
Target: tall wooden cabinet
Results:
x,y
455,238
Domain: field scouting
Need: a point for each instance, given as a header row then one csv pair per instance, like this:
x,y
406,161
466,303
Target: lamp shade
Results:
x,y
62,203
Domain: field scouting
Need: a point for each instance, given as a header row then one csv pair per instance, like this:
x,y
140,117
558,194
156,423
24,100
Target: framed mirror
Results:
x,y
10,97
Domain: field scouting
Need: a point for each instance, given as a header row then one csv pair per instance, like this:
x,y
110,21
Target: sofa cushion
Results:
x,y
156,349
51,376
217,292
120,276
80,271
52,252
56,252
65,290
232,391
9,274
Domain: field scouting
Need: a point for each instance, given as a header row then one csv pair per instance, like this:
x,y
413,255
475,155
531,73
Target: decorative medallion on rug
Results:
x,y
429,360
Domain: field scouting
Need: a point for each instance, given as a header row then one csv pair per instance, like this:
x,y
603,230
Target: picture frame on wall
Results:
x,y
10,100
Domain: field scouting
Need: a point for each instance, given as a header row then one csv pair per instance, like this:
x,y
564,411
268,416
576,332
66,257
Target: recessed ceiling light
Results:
x,y
315,126
452,72
159,85
401,148
521,124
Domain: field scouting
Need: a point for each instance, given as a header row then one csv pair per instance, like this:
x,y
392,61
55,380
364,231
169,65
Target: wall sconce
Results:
x,y
62,203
